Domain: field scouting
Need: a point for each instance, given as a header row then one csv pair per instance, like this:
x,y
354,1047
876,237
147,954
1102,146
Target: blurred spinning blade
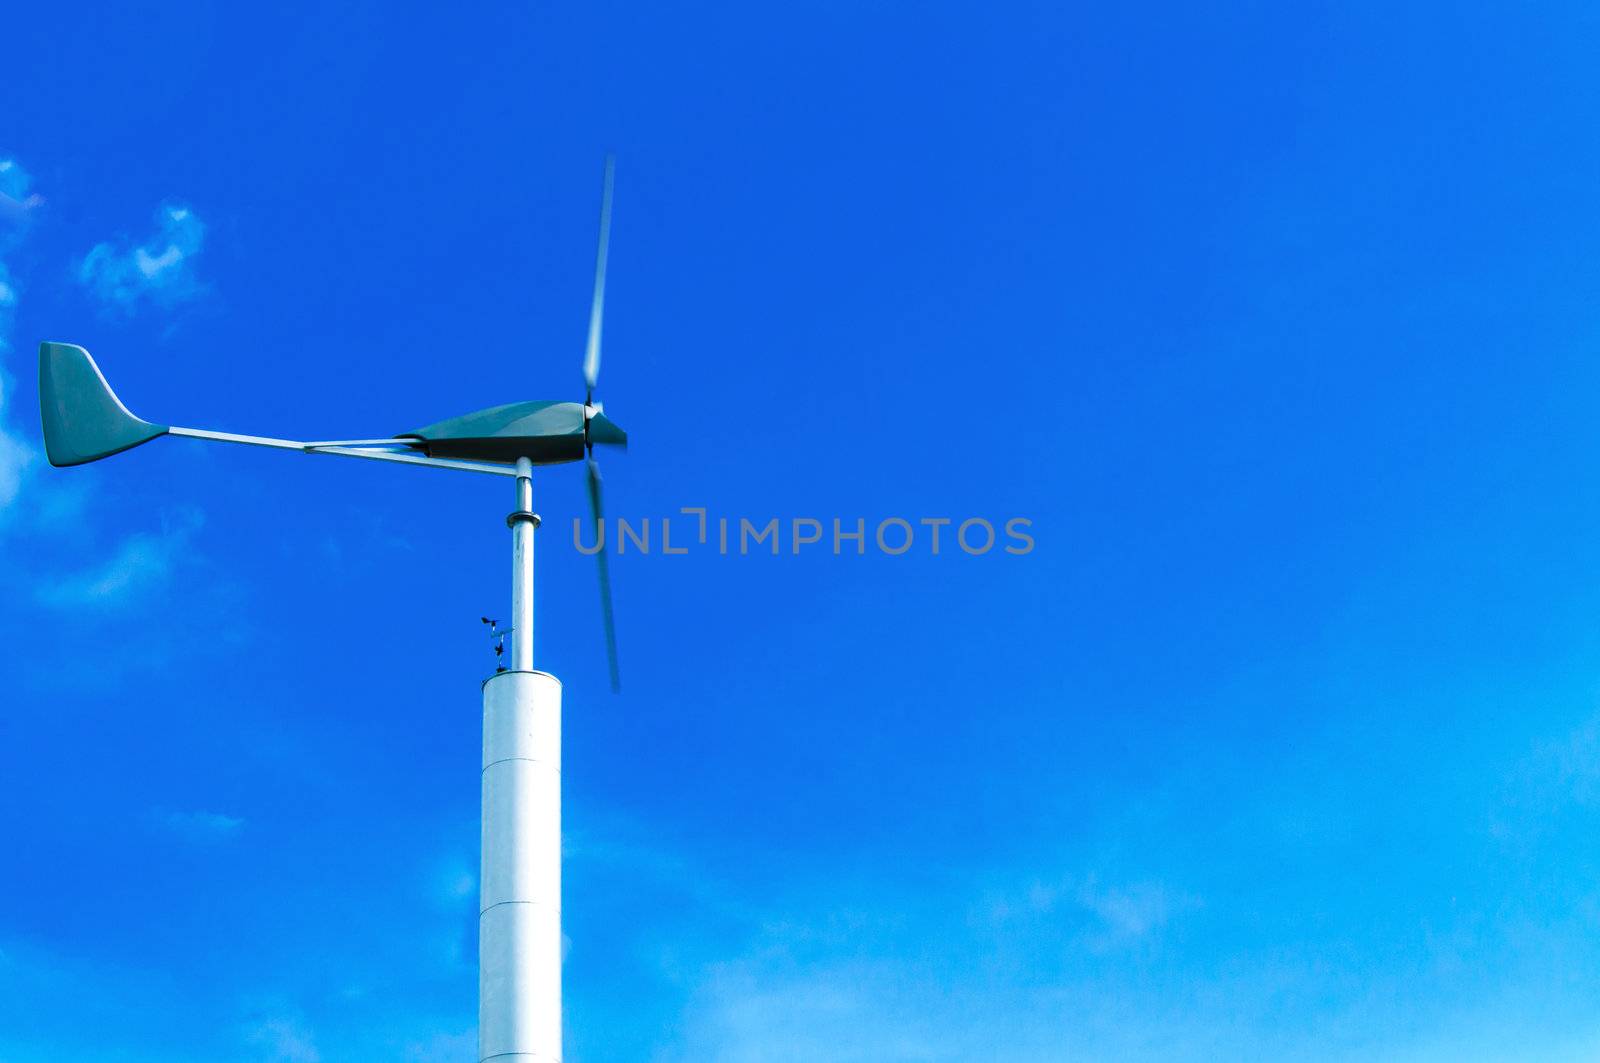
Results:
x,y
591,374
597,309
597,511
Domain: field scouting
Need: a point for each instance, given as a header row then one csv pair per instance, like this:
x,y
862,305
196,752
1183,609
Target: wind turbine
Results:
x,y
519,920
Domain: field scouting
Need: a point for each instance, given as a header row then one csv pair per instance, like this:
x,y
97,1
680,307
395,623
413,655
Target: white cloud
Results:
x,y
143,562
160,270
201,826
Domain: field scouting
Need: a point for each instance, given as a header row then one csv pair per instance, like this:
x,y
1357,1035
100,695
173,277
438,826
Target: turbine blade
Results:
x,y
591,357
598,512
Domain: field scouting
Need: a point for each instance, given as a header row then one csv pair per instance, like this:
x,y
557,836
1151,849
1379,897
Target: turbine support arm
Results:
x,y
355,448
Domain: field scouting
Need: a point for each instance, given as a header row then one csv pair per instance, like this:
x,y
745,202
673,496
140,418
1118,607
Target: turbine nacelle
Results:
x,y
546,433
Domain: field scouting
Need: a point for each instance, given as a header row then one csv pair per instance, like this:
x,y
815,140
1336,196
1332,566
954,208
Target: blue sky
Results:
x,y
1278,323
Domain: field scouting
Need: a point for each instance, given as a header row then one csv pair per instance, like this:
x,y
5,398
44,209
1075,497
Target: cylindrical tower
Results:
x,y
519,920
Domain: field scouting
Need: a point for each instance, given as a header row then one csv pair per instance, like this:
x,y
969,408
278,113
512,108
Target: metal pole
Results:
x,y
523,522
519,910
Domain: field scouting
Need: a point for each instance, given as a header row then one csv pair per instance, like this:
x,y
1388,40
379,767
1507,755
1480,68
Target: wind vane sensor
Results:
x,y
84,421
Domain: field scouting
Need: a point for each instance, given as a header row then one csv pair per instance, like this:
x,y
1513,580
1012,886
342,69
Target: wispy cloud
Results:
x,y
8,307
160,270
983,963
1105,914
285,1040
764,1009
57,1002
142,562
873,985
871,988
444,1048
17,457
17,200
1130,912
201,826
454,883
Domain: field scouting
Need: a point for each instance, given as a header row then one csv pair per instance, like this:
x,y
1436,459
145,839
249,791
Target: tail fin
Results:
x,y
83,419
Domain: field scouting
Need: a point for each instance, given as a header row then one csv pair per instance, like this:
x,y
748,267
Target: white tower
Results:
x,y
519,907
